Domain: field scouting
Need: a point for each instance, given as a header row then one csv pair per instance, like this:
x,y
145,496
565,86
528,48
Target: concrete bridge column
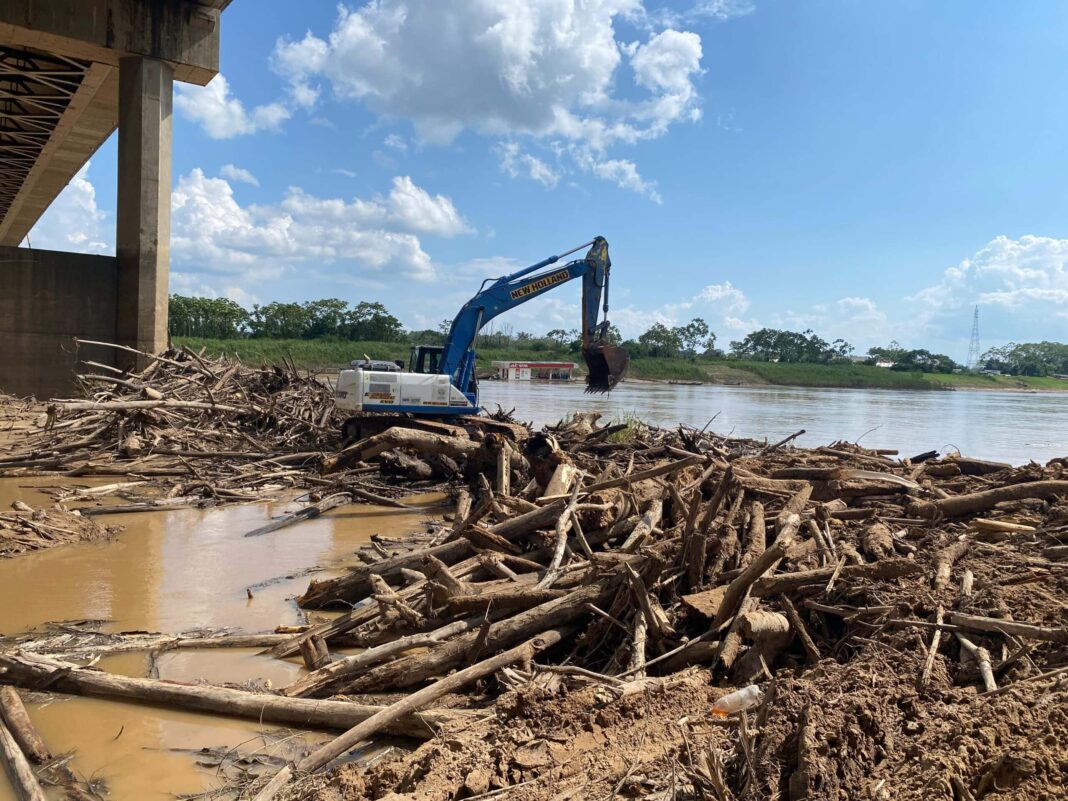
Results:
x,y
143,227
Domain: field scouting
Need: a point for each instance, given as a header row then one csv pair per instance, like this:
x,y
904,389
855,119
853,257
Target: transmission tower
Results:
x,y
973,347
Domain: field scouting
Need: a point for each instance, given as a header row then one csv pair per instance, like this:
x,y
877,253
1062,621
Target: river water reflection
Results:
x,y
1008,426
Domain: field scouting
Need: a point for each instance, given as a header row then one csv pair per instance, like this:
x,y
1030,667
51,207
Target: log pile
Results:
x,y
685,565
599,588
25,529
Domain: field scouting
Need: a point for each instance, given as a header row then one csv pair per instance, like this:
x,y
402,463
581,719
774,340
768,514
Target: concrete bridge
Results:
x,y
71,72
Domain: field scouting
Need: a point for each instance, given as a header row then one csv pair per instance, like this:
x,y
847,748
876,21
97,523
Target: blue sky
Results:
x,y
870,170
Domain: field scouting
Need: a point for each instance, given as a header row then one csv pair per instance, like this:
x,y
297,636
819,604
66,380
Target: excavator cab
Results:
x,y
425,359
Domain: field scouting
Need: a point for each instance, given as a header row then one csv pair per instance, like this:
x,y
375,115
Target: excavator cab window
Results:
x,y
426,359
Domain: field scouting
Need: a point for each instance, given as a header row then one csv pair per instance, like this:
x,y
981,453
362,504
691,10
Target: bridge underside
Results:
x,y
71,72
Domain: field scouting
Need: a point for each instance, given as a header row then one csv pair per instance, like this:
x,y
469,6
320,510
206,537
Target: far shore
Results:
x,y
333,354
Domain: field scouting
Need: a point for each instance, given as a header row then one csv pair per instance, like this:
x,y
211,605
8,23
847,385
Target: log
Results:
x,y
977,502
414,669
407,707
788,582
23,780
356,584
977,467
562,478
945,560
307,513
812,653
35,672
326,681
982,659
997,625
644,529
877,541
760,565
13,713
757,540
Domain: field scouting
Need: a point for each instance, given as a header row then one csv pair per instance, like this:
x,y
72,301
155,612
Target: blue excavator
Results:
x,y
440,381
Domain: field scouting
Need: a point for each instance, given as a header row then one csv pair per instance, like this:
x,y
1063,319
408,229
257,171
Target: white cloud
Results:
x,y
721,9
414,208
73,222
550,70
213,233
624,174
1026,273
223,116
396,142
733,299
240,174
518,164
342,171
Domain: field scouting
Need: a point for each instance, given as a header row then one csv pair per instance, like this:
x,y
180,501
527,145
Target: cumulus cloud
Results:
x,y
74,222
223,116
733,299
544,69
1029,272
212,232
239,174
518,164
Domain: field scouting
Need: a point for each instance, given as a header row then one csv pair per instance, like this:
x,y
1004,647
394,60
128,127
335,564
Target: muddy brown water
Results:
x,y
170,572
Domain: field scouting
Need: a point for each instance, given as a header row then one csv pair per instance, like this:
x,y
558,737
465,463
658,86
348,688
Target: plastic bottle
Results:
x,y
738,701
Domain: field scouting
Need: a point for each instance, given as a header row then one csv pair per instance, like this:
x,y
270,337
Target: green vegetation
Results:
x,y
328,333
1030,358
327,354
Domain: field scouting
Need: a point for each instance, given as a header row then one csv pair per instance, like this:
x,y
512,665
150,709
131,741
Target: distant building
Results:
x,y
885,364
534,371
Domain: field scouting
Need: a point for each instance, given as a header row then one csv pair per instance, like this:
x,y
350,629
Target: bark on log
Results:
x,y
13,713
788,582
993,624
877,541
411,670
34,672
976,502
757,540
328,680
23,780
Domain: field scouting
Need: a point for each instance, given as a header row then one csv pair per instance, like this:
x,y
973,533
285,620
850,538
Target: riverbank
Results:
x,y
333,354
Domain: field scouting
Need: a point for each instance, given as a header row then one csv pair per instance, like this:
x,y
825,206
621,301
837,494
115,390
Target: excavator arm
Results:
x,y
606,363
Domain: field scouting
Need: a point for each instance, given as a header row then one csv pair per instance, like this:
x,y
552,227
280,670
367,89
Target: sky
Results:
x,y
872,171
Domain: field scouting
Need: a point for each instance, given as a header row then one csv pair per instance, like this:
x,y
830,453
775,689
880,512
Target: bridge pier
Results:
x,y
71,72
143,224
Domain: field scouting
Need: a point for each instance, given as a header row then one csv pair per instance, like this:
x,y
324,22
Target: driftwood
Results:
x,y
34,672
23,780
13,713
307,513
788,582
997,625
978,502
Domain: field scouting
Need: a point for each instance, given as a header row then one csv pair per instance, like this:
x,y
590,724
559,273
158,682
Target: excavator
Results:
x,y
440,381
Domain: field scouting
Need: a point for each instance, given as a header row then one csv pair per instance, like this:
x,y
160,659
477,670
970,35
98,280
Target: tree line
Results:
x,y
332,318
1030,358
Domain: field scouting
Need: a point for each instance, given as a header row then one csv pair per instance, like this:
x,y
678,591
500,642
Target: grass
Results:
x,y
332,354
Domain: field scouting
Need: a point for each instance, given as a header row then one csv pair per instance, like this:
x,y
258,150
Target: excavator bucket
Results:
x,y
606,363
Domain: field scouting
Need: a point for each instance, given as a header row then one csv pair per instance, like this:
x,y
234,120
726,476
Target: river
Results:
x,y
1013,427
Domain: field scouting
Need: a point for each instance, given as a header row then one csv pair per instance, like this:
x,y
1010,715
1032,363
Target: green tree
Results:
x,y
694,336
660,340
